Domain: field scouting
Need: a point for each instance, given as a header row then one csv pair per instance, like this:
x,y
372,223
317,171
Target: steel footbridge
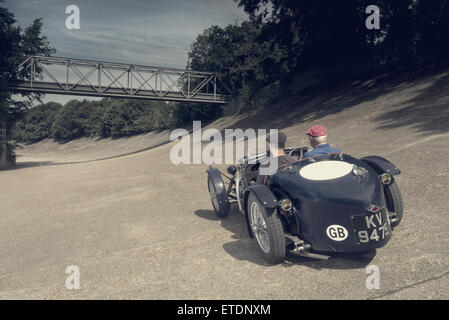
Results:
x,y
57,75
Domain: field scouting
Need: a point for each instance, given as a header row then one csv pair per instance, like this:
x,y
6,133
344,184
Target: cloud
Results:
x,y
166,28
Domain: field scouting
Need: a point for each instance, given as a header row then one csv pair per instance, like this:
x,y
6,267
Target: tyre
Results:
x,y
267,230
393,198
218,194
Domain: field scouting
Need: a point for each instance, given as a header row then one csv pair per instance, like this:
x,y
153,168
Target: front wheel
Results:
x,y
218,194
393,199
267,230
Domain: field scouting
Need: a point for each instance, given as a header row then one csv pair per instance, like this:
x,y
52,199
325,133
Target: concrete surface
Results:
x,y
139,227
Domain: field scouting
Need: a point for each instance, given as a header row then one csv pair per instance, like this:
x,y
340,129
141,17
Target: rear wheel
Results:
x,y
267,230
393,199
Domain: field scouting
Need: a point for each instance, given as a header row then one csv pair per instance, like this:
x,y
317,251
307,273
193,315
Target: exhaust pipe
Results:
x,y
303,249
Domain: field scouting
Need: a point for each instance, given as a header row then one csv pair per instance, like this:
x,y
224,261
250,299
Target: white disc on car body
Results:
x,y
325,170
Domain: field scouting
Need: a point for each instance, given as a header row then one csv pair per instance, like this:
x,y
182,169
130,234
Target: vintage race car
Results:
x,y
313,206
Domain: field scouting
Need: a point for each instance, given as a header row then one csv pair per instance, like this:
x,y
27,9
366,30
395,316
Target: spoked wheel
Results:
x,y
267,230
393,199
217,193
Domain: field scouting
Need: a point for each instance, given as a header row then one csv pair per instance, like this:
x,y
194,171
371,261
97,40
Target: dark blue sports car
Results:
x,y
313,206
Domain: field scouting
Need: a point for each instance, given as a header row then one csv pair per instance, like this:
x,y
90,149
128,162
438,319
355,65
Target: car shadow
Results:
x,y
245,249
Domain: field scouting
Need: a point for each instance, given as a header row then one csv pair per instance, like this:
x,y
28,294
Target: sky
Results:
x,y
151,32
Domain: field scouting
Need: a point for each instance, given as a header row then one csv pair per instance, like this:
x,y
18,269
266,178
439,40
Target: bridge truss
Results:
x,y
107,79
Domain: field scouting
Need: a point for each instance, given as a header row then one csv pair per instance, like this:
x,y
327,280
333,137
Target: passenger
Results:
x,y
276,151
318,140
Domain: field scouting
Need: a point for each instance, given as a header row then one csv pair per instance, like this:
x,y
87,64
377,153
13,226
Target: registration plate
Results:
x,y
371,228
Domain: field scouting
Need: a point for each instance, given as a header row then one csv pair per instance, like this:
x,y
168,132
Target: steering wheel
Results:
x,y
299,151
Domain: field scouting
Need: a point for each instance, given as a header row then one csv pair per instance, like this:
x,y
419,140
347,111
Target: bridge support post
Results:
x,y
3,160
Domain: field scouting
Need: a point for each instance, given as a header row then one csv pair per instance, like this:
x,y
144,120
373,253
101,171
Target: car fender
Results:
x,y
217,180
381,165
265,197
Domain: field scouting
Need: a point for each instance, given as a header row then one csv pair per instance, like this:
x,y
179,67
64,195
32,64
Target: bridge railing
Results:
x,y
108,79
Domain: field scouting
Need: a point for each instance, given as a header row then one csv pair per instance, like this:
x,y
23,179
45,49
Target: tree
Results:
x,y
240,57
326,32
15,45
312,32
432,26
36,123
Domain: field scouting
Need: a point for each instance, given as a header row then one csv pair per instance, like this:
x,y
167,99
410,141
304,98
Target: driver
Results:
x,y
276,151
318,140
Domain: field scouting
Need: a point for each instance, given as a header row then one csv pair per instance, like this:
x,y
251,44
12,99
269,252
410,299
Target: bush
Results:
x,y
128,117
68,122
36,123
185,113
107,118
